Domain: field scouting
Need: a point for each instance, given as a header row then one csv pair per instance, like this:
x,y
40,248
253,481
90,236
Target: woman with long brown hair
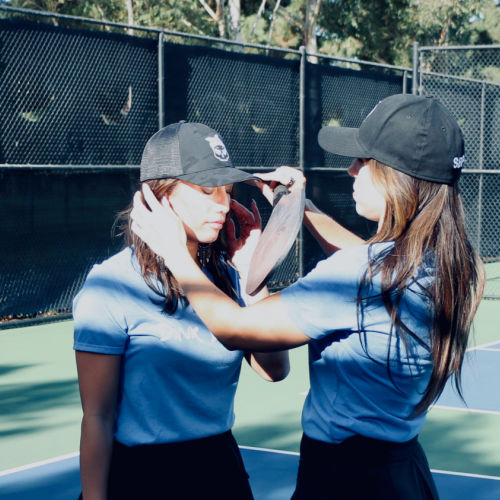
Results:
x,y
157,388
387,321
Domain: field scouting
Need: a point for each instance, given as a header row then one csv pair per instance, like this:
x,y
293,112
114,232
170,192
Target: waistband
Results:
x,y
193,444
359,448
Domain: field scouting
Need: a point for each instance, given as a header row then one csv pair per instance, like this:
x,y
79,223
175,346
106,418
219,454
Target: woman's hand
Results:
x,y
158,226
290,177
241,249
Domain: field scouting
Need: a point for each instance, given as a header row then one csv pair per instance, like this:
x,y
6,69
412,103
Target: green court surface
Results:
x,y
40,408
493,283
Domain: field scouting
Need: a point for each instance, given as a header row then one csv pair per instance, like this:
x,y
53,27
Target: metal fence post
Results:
x,y
481,162
302,97
302,142
161,90
414,83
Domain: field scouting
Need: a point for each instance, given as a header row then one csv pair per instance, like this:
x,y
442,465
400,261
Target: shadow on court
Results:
x,y
21,404
455,441
8,369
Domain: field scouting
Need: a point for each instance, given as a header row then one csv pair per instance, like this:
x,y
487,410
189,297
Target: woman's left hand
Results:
x,y
159,226
241,249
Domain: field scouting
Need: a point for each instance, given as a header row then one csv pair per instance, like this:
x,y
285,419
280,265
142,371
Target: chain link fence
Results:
x,y
467,81
80,98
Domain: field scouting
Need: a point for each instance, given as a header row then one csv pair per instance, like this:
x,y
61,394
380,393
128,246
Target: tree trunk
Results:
x,y
309,34
234,21
257,17
130,14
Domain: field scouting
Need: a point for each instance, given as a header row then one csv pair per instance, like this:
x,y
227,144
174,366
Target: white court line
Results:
x,y
469,410
437,471
39,464
483,346
466,474
76,453
269,450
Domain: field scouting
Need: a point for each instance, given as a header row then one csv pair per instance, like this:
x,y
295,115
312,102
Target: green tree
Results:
x,y
384,30
374,30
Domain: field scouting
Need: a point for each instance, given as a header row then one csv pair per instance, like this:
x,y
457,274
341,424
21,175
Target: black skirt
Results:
x,y
361,468
210,468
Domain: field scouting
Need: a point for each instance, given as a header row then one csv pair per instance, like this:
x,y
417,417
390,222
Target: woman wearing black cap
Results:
x,y
157,387
386,321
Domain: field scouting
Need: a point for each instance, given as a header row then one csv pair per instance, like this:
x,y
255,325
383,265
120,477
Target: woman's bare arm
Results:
x,y
271,366
330,235
98,376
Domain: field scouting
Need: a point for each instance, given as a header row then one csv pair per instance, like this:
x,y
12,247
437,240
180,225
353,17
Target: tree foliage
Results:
x,y
374,30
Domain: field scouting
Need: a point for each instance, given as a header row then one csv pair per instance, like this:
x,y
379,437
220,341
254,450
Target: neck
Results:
x,y
193,249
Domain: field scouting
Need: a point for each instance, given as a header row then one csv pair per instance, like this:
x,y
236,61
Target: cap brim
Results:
x,y
217,177
341,141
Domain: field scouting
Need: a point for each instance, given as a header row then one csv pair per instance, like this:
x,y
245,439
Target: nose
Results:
x,y
353,170
222,198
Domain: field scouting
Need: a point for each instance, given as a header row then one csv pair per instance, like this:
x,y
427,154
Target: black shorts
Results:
x,y
208,468
362,468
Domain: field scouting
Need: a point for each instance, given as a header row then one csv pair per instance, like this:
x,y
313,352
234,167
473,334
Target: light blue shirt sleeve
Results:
x,y
97,325
324,300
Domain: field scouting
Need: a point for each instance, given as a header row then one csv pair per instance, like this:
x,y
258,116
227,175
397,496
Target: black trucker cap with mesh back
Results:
x,y
190,152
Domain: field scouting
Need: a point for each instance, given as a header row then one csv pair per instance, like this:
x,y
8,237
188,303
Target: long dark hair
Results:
x,y
426,220
157,276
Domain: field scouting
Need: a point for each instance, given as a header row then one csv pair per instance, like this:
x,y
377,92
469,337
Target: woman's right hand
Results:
x,y
159,226
292,178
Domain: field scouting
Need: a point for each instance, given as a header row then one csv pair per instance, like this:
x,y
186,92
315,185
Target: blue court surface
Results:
x,y
272,475
480,369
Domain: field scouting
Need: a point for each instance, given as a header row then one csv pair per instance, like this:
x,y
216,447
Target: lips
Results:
x,y
217,223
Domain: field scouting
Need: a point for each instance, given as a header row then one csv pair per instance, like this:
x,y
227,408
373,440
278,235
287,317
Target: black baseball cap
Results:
x,y
190,152
414,134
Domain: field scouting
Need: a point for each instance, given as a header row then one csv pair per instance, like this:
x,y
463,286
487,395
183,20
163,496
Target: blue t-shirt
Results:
x,y
351,391
177,380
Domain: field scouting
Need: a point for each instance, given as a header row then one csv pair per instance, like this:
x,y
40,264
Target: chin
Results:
x,y
208,238
360,212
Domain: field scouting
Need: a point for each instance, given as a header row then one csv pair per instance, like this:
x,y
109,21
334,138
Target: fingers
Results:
x,y
138,207
267,192
256,213
230,230
254,182
150,197
248,221
290,177
145,219
138,203
282,174
241,212
137,230
267,176
139,211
